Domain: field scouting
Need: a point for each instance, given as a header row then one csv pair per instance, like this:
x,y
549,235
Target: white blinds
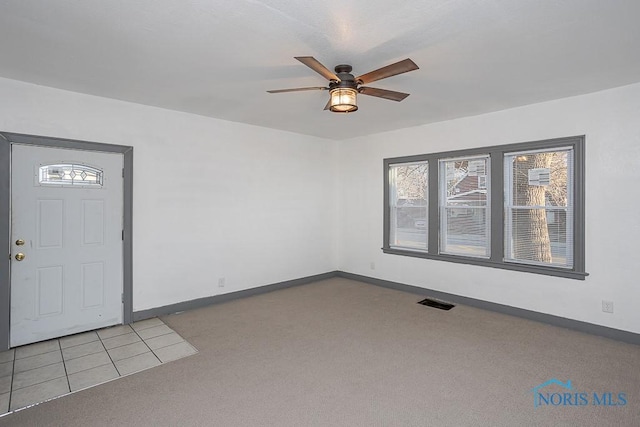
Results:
x,y
464,206
408,197
539,207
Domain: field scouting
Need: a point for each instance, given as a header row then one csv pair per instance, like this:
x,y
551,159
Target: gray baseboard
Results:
x,y
217,299
576,325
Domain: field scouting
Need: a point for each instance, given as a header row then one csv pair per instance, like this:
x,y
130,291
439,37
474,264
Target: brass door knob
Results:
x,y
19,242
20,256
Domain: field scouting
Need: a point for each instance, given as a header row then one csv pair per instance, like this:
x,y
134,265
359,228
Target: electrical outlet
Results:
x,y
221,282
607,306
373,265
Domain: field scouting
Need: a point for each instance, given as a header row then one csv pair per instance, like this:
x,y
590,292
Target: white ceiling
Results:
x,y
217,58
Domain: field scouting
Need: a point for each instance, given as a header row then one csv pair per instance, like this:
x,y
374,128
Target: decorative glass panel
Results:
x,y
70,174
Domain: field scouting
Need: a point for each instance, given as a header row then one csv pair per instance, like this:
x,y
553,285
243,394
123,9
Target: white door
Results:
x,y
66,237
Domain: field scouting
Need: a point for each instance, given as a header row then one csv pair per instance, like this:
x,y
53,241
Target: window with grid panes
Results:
x,y
516,206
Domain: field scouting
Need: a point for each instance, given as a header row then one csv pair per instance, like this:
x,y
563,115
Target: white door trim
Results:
x,y
6,140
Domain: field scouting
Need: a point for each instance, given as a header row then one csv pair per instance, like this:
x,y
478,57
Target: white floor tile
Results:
x,y
37,348
137,363
175,351
120,340
93,376
49,369
78,339
163,341
154,331
82,350
39,393
114,331
87,362
7,356
6,368
128,350
147,323
5,384
38,361
38,375
4,403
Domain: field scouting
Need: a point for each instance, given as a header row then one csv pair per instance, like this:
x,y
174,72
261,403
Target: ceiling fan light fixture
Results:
x,y
344,88
343,100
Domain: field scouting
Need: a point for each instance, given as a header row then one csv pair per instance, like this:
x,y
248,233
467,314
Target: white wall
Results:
x,y
258,206
211,198
611,122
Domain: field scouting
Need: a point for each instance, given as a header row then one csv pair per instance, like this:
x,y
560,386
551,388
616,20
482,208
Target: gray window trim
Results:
x,y
6,140
496,154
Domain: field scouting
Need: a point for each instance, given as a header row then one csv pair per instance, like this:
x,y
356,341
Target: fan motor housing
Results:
x,y
347,80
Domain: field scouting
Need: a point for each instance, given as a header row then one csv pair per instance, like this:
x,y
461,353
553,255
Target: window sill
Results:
x,y
547,271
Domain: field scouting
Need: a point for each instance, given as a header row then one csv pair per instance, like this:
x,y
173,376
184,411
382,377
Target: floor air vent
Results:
x,y
437,304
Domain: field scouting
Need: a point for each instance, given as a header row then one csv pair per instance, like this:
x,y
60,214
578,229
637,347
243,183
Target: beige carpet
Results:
x,y
344,353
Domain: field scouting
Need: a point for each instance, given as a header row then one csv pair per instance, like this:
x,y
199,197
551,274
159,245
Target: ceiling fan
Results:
x,y
343,87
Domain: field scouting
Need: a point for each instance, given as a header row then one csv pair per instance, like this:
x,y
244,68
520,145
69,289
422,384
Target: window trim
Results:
x,y
496,206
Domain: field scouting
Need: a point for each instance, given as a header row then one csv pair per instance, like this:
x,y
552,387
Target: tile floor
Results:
x,y
38,372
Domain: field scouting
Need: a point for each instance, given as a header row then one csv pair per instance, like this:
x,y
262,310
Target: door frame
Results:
x,y
6,140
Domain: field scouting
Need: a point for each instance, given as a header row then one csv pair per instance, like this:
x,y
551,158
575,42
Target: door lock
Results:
x,y
19,242
20,256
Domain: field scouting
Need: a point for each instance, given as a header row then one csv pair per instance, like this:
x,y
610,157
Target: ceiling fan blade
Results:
x,y
383,93
298,89
388,71
326,107
316,66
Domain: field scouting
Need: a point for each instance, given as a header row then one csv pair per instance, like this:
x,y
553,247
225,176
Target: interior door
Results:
x,y
66,236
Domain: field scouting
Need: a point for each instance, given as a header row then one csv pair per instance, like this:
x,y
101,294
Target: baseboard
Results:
x,y
590,328
576,325
217,299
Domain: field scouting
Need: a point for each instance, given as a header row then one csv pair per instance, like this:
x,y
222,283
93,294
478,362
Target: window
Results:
x,y
409,203
538,207
70,174
516,207
464,214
